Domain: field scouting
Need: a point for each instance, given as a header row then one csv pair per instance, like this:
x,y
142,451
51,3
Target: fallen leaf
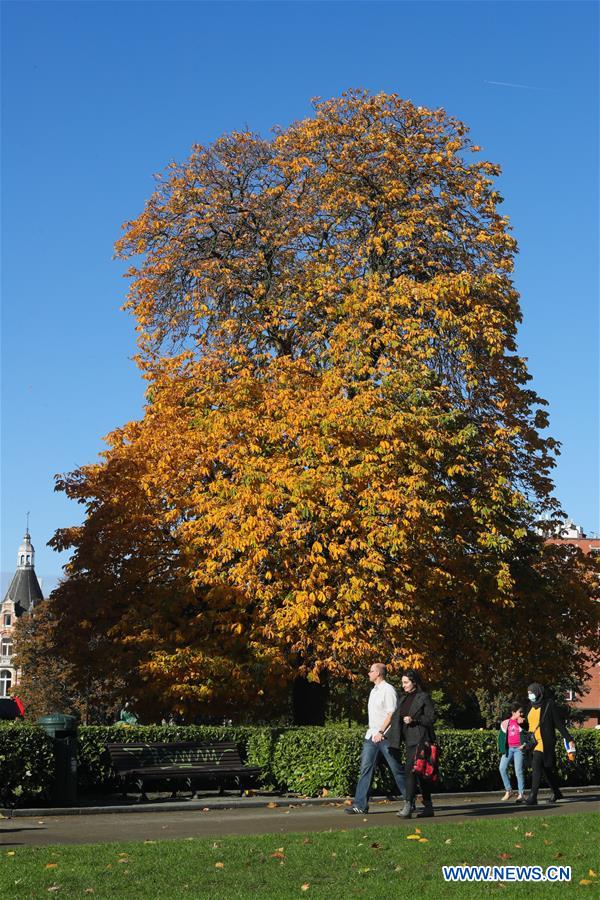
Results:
x,y
529,834
398,869
324,793
364,871
592,874
417,831
304,887
219,865
54,888
412,837
124,860
51,865
520,846
586,881
423,840
215,845
205,809
307,841
504,856
548,843
10,852
448,841
149,842
334,855
272,805
278,855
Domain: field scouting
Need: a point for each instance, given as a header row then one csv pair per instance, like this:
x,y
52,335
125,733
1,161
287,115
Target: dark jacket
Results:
x,y
551,720
422,713
503,736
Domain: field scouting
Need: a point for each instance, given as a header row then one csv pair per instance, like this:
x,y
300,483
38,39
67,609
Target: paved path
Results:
x,y
140,826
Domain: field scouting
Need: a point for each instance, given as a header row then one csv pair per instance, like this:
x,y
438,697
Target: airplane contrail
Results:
x,y
527,87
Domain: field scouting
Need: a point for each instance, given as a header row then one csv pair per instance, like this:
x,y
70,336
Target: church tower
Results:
x,y
22,595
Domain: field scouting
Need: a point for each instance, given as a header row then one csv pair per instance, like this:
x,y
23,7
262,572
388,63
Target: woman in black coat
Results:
x,y
544,719
417,715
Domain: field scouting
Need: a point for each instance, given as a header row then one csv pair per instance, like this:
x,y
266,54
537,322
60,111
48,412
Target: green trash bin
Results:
x,y
63,730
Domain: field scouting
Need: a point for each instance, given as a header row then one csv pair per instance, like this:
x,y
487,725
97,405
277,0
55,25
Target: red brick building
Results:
x,y
590,701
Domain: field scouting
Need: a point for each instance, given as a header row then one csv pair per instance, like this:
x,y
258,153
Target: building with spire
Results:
x,y
22,595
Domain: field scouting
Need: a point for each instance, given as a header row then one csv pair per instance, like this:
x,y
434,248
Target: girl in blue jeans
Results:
x,y
511,746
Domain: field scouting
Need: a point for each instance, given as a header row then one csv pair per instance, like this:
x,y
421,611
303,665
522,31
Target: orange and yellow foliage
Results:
x,y
339,457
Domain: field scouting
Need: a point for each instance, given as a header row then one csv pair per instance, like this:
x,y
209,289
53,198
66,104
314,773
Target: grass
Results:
x,y
380,862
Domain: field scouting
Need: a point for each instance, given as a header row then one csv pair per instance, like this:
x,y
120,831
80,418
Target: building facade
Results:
x,y
22,595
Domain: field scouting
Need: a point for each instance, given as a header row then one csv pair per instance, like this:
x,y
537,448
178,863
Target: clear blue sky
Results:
x,y
99,96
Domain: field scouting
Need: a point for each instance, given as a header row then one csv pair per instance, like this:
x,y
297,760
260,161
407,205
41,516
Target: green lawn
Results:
x,y
378,863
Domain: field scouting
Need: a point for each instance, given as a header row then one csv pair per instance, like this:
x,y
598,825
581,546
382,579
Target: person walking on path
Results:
x,y
510,744
416,716
382,739
544,719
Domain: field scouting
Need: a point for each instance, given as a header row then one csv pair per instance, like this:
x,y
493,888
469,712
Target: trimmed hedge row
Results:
x,y
26,764
307,760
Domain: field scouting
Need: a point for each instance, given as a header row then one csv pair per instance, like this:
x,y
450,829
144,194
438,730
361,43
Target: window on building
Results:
x,y
6,647
22,559
7,619
5,682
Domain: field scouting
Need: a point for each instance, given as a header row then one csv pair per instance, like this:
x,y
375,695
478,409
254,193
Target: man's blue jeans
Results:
x,y
516,756
368,763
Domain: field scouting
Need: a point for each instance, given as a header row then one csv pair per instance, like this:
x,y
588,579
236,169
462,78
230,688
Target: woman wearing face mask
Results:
x,y
543,720
417,715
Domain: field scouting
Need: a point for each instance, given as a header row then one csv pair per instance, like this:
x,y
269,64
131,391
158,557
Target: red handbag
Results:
x,y
427,761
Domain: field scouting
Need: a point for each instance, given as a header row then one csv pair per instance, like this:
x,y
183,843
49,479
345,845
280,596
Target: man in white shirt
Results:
x,y
382,738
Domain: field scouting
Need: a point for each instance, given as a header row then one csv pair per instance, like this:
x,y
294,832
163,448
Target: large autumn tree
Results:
x,y
340,456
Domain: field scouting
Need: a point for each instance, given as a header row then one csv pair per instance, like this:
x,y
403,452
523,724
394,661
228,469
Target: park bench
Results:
x,y
188,761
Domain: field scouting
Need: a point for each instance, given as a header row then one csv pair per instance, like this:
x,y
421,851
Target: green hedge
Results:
x,y
307,760
26,764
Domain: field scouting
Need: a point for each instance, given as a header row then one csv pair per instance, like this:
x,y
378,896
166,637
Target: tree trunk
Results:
x,y
309,702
